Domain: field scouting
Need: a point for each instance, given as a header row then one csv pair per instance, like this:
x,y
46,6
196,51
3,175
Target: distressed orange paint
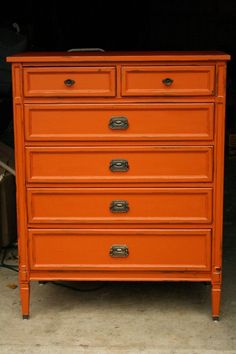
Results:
x,y
119,164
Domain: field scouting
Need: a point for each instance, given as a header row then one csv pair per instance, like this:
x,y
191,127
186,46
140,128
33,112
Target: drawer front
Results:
x,y
79,81
168,80
106,205
111,250
119,164
50,122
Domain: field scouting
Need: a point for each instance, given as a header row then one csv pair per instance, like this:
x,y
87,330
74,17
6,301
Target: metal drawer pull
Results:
x,y
118,123
119,206
119,251
69,82
119,165
168,81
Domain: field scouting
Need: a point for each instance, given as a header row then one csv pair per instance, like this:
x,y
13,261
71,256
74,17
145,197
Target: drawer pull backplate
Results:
x,y
118,123
119,165
119,206
119,251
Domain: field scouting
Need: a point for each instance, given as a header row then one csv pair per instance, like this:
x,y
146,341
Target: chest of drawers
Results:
x,y
119,160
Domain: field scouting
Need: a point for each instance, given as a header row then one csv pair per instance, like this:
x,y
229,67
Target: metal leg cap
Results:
x,y
216,318
25,317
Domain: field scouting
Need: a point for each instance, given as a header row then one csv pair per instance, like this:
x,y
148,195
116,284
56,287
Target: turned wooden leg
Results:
x,y
25,299
215,296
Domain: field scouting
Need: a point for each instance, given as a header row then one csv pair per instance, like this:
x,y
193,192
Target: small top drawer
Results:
x,y
73,81
168,80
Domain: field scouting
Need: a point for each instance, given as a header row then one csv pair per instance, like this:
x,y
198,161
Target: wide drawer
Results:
x,y
119,164
113,250
78,122
124,205
168,80
73,81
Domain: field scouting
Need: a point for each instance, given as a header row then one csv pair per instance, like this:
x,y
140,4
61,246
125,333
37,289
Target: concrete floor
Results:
x,y
157,318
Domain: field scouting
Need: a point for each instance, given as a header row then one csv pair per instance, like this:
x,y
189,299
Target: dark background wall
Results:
x,y
126,25
130,25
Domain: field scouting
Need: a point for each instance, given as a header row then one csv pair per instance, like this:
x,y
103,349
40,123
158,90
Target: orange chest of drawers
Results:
x,y
119,167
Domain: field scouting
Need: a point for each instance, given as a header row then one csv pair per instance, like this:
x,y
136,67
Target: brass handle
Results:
x,y
119,251
119,165
119,206
69,82
168,81
118,123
